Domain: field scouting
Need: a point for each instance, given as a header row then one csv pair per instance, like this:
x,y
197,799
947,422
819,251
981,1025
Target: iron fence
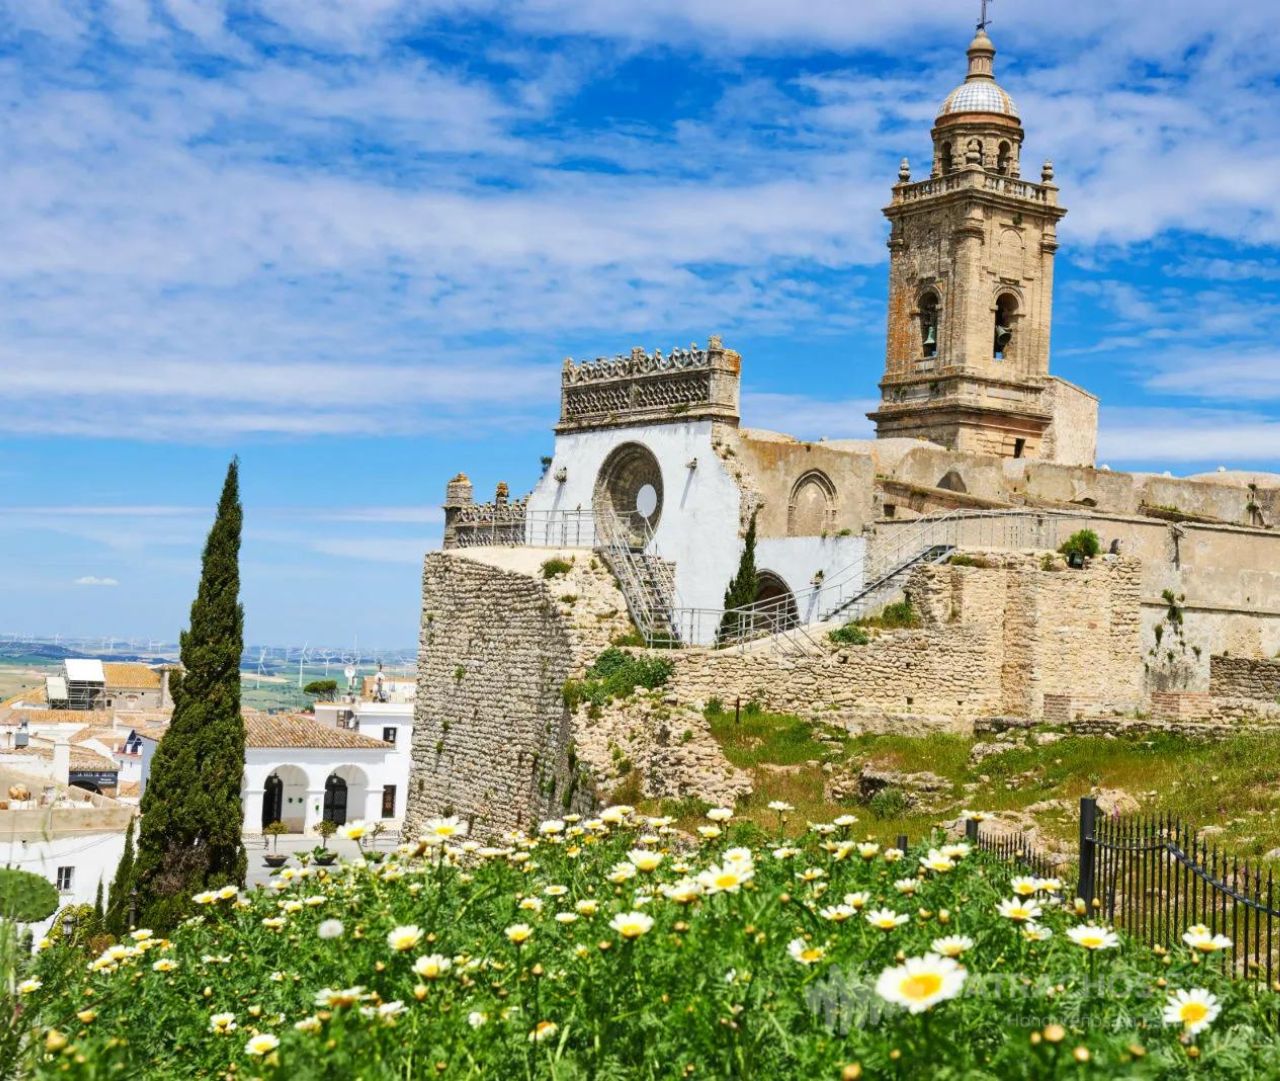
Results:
x,y
1015,848
1155,877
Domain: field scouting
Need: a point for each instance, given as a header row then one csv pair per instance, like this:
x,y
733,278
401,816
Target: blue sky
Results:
x,y
352,240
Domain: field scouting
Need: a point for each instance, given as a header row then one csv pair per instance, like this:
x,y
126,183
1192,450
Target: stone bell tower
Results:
x,y
971,283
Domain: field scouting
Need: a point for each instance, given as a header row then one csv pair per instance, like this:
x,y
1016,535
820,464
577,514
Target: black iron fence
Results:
x,y
1016,848
1156,877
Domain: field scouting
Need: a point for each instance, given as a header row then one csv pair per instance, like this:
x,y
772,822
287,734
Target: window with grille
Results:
x,y
66,875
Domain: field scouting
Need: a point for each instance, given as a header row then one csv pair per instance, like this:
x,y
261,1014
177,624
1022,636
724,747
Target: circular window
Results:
x,y
629,486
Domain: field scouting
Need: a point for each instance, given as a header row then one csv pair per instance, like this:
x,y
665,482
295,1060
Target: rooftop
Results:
x,y
288,730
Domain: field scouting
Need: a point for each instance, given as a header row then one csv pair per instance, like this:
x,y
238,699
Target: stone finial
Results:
x,y
904,171
1046,173
973,154
714,343
503,493
458,491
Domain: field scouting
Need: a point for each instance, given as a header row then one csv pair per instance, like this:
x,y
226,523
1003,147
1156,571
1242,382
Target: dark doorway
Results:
x,y
272,800
335,800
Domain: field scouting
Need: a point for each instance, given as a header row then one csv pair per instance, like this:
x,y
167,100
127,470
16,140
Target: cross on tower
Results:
x,y
984,22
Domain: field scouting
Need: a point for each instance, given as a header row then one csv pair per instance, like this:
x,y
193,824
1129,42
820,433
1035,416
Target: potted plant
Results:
x,y
375,831
273,830
321,853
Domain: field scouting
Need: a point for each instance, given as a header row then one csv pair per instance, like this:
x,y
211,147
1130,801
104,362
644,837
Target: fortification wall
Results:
x,y
994,639
492,739
1245,677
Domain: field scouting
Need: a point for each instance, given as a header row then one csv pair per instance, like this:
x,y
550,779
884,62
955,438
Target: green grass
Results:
x,y
1233,783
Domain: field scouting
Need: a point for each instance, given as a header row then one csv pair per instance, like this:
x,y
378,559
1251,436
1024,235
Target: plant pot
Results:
x,y
275,860
326,860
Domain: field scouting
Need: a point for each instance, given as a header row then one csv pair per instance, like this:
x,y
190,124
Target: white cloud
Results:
x,y
808,418
91,580
1159,435
373,551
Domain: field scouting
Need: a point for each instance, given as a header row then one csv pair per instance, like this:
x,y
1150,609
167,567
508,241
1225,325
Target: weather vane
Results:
x,y
984,22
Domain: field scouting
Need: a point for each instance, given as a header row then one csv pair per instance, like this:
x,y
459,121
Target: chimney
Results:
x,y
62,760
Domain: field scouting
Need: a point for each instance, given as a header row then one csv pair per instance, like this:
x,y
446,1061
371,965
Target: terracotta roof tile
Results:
x,y
81,758
284,730
132,676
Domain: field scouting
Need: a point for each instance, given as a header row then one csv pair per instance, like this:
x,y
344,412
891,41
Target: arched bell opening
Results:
x,y
1006,316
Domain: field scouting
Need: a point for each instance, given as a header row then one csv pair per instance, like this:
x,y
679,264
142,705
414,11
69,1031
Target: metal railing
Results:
x,y
1155,877
785,618
644,577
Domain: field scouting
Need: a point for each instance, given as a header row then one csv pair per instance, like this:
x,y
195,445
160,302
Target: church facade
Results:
x,y
977,442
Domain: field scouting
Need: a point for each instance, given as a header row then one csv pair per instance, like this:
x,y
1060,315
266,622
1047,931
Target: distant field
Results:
x,y
18,676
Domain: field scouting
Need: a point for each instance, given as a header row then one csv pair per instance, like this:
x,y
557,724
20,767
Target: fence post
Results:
x,y
971,830
1085,887
902,843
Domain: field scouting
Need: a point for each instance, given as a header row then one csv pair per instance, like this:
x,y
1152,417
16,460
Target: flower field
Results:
x,y
619,948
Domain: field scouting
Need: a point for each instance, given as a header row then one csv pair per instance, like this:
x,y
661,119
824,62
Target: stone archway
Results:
x,y
953,482
629,486
284,797
776,604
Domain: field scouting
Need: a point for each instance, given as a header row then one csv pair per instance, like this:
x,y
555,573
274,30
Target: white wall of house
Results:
x,y
304,771
698,527
90,858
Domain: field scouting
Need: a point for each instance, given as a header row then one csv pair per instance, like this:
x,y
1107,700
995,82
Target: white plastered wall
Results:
x,y
698,527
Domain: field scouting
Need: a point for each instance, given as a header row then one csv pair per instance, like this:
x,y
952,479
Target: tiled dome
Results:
x,y
979,96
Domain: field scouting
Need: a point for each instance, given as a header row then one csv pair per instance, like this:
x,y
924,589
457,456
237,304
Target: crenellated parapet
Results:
x,y
467,523
650,388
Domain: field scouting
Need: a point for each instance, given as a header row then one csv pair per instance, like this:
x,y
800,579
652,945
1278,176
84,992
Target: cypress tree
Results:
x,y
742,587
97,903
192,816
117,916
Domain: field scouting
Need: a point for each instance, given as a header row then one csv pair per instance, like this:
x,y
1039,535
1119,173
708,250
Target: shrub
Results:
x,y
555,567
961,559
901,615
616,673
1083,542
26,898
714,707
889,803
849,635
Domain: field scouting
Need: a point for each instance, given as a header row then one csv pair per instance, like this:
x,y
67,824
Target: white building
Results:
x,y
69,836
300,771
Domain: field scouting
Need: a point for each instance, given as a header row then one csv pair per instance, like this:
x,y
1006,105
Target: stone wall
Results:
x,y
994,639
1245,677
492,739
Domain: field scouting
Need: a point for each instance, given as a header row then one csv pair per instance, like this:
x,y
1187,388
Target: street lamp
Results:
x,y
68,927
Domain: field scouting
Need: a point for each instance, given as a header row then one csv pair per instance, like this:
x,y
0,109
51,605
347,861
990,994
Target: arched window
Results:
x,y
929,324
1006,316
946,161
1004,158
812,508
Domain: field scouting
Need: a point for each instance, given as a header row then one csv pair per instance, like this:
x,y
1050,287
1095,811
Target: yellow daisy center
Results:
x,y
922,986
1193,1012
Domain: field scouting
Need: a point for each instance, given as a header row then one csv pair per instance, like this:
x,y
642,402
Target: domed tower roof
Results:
x,y
979,93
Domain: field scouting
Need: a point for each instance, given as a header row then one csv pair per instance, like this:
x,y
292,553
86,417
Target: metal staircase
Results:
x,y
647,580
877,592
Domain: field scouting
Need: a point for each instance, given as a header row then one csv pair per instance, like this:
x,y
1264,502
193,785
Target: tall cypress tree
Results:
x,y
742,588
190,839
117,917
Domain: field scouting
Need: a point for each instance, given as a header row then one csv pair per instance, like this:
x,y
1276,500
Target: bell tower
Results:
x,y
971,282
